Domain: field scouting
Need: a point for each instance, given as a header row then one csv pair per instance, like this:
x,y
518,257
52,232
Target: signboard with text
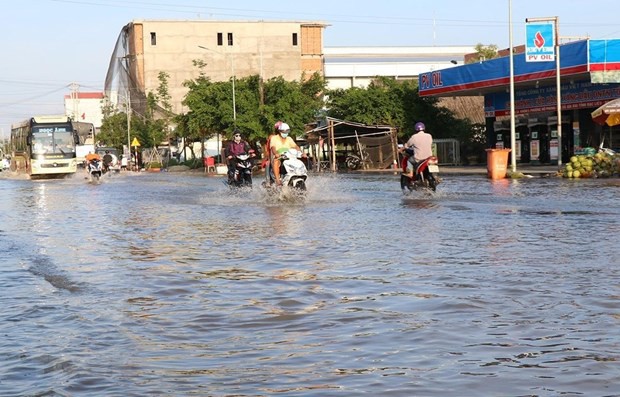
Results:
x,y
540,42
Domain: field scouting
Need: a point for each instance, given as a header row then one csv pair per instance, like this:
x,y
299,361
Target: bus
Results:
x,y
44,147
86,144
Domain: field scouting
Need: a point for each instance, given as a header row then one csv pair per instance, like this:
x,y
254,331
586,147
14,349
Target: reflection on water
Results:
x,y
171,284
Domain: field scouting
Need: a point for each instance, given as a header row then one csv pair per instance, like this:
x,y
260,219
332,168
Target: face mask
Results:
x,y
284,134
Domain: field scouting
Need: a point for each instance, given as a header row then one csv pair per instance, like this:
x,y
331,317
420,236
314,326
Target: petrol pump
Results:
x,y
522,141
502,134
539,140
567,139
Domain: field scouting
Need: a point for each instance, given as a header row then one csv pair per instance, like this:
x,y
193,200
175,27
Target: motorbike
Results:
x,y
95,170
242,175
293,172
425,175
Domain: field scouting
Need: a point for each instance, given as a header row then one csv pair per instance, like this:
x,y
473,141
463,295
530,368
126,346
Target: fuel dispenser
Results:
x,y
522,138
567,131
502,134
539,140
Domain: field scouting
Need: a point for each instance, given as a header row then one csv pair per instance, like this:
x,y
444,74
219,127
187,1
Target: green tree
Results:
x,y
398,104
258,105
485,52
113,131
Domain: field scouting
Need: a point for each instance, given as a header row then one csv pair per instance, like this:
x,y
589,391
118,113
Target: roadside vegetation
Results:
x,y
260,103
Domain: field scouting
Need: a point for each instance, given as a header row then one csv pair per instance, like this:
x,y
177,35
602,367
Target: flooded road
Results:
x,y
166,284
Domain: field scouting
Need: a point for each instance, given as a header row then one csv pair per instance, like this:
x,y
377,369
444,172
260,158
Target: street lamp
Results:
x,y
232,66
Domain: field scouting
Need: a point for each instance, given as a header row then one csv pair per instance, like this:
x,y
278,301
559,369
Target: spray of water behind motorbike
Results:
x,y
293,174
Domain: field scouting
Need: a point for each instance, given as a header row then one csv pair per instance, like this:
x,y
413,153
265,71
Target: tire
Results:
x,y
353,163
247,180
404,183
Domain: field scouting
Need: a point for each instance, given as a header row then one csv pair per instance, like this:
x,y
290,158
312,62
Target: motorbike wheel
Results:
x,y
247,180
353,163
432,183
405,183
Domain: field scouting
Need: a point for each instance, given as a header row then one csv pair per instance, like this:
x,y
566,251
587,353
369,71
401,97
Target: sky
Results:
x,y
49,44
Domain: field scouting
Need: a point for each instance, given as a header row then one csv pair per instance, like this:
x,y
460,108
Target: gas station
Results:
x,y
589,77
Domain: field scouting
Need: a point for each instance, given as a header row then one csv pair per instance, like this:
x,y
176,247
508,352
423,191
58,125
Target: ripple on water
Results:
x,y
163,284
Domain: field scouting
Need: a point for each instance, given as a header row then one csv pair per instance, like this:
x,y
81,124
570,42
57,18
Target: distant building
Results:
x,y
228,48
85,107
347,67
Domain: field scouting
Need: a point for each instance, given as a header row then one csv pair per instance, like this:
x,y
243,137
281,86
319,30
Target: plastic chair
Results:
x,y
209,164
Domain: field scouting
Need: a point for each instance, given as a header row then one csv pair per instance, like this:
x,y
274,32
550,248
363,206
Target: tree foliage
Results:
x,y
258,104
485,52
113,131
151,128
387,101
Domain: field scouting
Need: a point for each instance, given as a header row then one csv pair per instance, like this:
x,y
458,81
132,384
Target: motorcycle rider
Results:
x,y
268,160
279,144
234,148
421,143
107,161
90,157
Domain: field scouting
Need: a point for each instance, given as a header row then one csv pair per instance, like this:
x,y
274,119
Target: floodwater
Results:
x,y
167,284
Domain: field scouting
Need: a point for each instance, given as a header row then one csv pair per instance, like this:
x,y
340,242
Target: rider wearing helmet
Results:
x,y
280,144
234,148
107,161
421,144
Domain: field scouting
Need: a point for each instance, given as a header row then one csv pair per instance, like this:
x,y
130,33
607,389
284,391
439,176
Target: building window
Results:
x,y
220,39
295,39
153,38
230,39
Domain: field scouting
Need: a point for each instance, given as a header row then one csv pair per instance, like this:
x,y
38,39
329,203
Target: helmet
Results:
x,y
419,126
277,125
284,127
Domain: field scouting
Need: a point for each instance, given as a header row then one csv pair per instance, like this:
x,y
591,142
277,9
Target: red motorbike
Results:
x,y
425,174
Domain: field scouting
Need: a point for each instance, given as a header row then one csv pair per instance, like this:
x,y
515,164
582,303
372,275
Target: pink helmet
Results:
x,y
277,125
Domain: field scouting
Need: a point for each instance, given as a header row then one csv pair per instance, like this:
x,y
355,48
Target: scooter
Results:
x,y
242,175
425,174
95,170
293,172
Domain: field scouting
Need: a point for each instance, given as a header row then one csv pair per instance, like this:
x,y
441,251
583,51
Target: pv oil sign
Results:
x,y
540,42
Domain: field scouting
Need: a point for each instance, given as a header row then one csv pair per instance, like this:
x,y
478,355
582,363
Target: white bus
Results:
x,y
44,147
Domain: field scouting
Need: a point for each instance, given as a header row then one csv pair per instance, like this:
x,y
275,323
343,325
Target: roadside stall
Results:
x,y
345,145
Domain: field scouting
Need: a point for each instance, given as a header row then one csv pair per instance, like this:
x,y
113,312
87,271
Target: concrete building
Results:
x,y
229,48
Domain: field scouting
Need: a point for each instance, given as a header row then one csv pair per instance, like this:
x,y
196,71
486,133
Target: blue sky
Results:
x,y
49,44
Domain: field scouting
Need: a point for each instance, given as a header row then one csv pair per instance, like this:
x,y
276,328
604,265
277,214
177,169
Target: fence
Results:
x,y
448,151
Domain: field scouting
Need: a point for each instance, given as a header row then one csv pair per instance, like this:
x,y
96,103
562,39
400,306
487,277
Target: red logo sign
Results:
x,y
539,40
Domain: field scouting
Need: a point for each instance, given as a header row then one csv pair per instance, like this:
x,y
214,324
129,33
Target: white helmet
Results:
x,y
284,127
